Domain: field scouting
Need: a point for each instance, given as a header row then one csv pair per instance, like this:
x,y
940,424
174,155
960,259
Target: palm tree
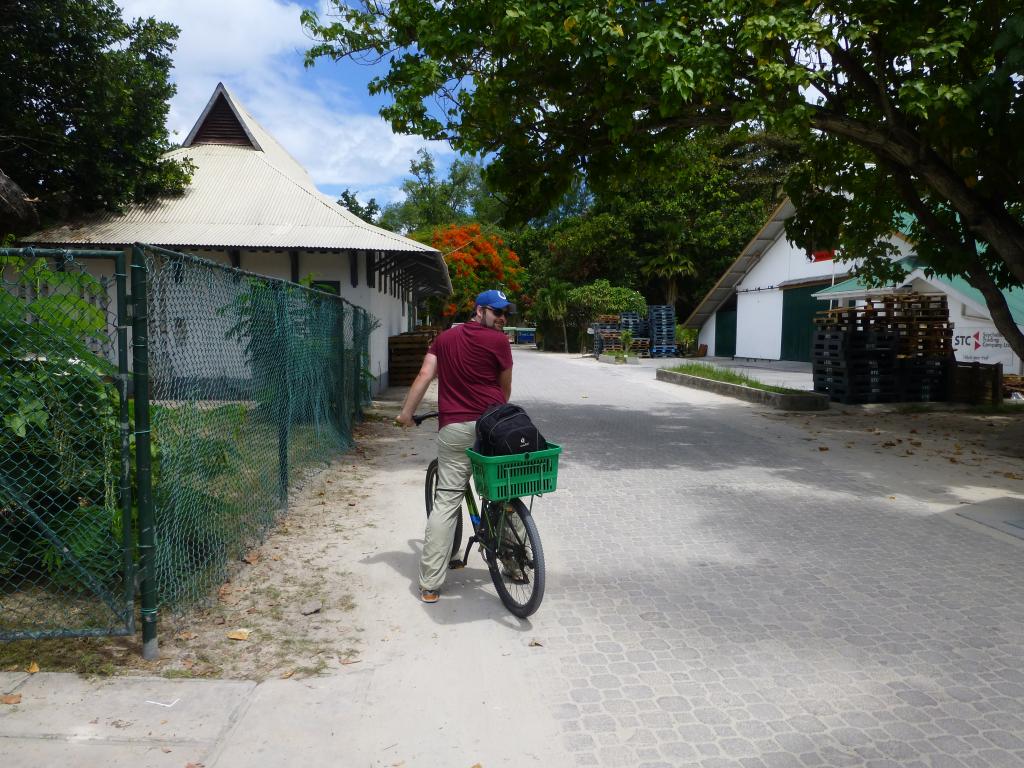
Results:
x,y
670,266
552,303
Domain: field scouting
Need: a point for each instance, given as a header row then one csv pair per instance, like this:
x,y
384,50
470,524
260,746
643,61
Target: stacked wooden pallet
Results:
x,y
640,347
405,356
896,348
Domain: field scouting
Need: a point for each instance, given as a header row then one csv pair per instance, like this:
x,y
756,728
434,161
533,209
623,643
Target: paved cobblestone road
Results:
x,y
721,594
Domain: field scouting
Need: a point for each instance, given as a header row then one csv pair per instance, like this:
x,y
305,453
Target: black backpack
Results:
x,y
505,429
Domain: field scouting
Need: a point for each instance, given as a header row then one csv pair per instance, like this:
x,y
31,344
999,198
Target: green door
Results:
x,y
798,310
725,332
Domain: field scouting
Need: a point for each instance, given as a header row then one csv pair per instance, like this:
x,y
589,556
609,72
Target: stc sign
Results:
x,y
983,345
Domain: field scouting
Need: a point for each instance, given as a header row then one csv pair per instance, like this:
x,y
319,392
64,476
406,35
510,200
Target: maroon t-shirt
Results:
x,y
469,359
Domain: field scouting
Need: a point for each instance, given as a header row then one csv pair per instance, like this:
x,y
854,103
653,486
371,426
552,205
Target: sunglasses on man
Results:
x,y
498,312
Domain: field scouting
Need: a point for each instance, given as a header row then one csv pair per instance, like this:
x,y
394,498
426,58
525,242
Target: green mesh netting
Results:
x,y
63,563
254,382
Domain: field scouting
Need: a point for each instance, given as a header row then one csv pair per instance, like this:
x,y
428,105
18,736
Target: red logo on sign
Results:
x,y
977,339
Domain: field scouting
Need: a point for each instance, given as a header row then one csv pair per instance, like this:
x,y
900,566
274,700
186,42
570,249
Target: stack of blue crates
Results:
x,y
662,321
638,327
598,329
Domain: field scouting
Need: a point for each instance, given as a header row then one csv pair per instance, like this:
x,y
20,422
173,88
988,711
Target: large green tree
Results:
x,y
667,223
923,97
83,101
432,200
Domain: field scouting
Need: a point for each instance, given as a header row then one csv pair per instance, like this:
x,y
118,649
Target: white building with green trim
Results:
x,y
763,306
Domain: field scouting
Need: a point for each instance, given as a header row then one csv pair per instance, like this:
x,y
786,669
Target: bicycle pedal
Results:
x,y
455,564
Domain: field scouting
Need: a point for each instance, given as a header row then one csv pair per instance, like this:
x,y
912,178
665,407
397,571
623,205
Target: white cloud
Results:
x,y
254,47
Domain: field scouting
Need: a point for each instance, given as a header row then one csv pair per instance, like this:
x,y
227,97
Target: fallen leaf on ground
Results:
x,y
165,750
536,644
195,765
11,698
32,668
252,557
822,448
346,662
286,675
239,634
186,635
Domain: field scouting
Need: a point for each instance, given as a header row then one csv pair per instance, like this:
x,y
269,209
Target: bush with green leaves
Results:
x,y
59,431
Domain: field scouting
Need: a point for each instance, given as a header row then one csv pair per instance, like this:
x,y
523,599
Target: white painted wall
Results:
x,y
759,299
390,311
784,262
706,335
759,324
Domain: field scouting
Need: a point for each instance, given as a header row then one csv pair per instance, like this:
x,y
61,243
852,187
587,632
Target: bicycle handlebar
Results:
x,y
424,416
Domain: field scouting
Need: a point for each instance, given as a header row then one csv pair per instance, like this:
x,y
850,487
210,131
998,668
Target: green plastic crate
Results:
x,y
500,478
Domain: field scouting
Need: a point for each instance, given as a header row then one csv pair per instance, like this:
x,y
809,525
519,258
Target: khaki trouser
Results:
x,y
453,472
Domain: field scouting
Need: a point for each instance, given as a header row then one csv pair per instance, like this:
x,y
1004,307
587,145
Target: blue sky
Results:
x,y
323,116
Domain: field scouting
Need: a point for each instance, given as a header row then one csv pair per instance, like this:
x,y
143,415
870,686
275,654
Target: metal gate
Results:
x,y
798,309
66,531
725,332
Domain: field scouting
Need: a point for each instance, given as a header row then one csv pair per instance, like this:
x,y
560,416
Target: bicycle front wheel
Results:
x,y
428,490
517,568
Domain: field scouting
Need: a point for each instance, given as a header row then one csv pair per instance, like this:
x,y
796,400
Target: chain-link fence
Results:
x,y
242,385
65,514
253,381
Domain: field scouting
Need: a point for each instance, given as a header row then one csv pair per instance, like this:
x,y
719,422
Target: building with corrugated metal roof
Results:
x,y
253,206
763,306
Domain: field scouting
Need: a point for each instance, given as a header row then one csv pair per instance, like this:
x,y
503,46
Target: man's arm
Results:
x,y
419,388
505,382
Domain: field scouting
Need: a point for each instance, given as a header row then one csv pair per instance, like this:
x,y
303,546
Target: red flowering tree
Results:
x,y
477,261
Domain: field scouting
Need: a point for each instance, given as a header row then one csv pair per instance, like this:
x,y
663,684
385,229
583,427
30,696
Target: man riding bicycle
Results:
x,y
473,366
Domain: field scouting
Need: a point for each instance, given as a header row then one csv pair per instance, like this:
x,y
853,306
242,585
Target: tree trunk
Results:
x,y
903,149
671,292
997,307
565,336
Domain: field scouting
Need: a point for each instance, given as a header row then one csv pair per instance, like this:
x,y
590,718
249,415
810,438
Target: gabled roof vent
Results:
x,y
220,123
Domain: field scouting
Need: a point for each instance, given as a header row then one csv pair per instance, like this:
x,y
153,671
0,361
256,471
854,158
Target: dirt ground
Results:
x,y
990,442
288,608
293,607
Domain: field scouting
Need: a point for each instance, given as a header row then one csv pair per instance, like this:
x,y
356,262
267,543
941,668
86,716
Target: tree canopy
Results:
x,y
85,98
922,100
432,200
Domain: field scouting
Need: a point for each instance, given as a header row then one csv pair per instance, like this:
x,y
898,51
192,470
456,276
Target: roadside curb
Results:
x,y
804,401
619,361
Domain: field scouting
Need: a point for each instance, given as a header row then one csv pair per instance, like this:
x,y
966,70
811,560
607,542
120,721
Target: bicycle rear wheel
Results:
x,y
518,569
428,490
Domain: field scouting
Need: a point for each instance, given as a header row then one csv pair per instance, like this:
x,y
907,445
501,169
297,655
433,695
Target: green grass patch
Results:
x,y
705,371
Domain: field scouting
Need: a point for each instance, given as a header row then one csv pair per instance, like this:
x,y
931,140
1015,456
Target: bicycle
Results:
x,y
503,525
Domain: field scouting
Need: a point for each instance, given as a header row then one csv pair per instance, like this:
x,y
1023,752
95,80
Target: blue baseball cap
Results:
x,y
493,299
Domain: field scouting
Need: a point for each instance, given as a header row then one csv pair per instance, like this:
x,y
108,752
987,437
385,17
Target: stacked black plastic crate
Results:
x,y
895,348
855,365
662,321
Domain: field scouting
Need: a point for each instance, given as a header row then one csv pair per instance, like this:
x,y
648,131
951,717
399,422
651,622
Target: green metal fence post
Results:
x,y
124,420
284,396
357,368
339,390
143,467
